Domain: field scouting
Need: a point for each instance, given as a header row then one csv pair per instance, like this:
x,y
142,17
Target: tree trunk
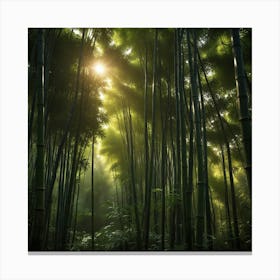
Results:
x,y
183,147
226,200
39,211
76,209
207,192
148,195
92,195
177,187
245,118
233,199
133,183
198,134
146,147
190,183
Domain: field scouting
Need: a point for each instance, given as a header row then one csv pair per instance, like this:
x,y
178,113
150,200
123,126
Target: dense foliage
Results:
x,y
139,139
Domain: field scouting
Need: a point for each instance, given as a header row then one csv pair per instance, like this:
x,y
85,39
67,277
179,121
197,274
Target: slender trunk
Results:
x,y
172,188
164,162
60,197
30,122
148,195
68,196
92,194
155,197
39,209
213,213
76,210
134,193
233,199
190,183
226,199
178,184
146,129
34,96
198,134
245,118
65,184
207,192
163,186
183,136
128,190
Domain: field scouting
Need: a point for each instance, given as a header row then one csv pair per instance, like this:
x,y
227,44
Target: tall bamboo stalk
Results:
x,y
198,134
146,141
39,209
183,137
230,234
92,194
205,162
233,199
178,184
148,195
133,184
245,118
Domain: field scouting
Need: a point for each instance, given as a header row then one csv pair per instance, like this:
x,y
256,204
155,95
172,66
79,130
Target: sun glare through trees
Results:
x,y
139,139
99,68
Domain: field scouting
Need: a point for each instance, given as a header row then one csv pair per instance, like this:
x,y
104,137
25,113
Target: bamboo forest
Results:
x,y
139,139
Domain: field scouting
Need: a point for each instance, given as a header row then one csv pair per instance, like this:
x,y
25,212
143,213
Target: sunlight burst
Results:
x,y
99,68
